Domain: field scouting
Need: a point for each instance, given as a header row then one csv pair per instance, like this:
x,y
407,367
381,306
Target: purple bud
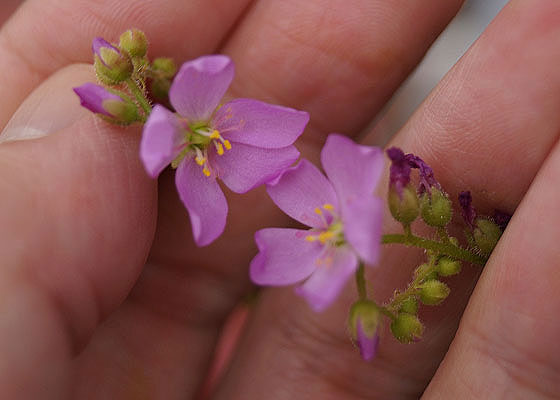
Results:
x,y
93,96
366,343
501,219
467,209
400,169
106,52
427,179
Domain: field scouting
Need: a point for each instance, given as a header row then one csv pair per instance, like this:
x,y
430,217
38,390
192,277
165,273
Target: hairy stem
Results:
x,y
447,249
140,97
361,282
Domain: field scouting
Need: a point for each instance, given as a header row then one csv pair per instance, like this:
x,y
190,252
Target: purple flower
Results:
x,y
427,179
501,219
467,209
344,216
245,142
399,173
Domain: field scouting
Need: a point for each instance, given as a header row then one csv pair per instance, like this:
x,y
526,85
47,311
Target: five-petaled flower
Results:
x,y
244,142
344,216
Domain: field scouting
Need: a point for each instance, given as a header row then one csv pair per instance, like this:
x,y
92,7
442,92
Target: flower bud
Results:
x,y
447,267
134,42
433,292
112,66
409,306
486,235
363,323
436,208
109,105
423,271
407,328
165,67
160,88
403,206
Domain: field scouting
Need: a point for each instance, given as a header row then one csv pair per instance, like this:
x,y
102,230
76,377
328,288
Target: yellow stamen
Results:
x,y
324,236
227,144
206,171
219,149
311,238
328,207
318,211
200,160
215,134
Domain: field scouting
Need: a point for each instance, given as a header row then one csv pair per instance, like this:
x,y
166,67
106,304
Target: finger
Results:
x,y
63,30
77,217
476,125
338,60
507,343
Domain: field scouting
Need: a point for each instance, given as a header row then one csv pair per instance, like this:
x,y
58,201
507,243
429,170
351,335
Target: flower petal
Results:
x,y
244,167
353,170
284,257
368,345
324,285
301,189
161,138
362,220
259,124
199,86
92,97
204,200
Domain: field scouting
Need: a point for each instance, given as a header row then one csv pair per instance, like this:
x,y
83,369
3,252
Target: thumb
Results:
x,y
77,217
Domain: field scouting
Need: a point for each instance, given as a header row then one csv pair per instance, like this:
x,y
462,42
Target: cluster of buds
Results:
x,y
125,72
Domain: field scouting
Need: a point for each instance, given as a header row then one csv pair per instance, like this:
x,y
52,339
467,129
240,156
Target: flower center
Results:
x,y
198,139
333,234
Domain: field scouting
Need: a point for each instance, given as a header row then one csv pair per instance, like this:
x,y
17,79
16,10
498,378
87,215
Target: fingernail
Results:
x,y
50,107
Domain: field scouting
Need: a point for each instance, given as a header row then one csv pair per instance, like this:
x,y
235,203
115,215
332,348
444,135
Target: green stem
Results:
x,y
448,249
139,96
361,282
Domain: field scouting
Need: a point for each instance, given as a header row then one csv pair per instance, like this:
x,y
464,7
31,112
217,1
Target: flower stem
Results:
x,y
139,96
361,282
448,249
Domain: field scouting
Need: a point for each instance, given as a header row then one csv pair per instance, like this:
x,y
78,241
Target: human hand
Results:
x,y
84,315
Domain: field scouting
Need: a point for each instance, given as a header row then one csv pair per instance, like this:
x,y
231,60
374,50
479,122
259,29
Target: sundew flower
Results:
x,y
101,101
245,142
342,212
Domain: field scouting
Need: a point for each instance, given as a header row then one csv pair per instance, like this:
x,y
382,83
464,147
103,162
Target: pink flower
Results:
x,y
344,216
245,142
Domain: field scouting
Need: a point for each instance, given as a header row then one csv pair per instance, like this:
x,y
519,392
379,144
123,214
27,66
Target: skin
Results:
x,y
103,293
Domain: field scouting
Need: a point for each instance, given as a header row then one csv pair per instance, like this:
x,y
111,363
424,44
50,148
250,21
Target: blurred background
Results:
x,y
450,46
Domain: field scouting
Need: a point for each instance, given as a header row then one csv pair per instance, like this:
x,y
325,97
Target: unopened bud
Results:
x,y
407,328
410,305
486,235
165,67
134,42
426,272
404,206
448,267
109,105
112,66
160,88
433,292
363,324
436,208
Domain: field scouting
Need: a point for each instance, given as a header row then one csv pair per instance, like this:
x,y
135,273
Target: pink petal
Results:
x,y
244,167
259,124
161,140
199,86
324,285
301,189
284,257
204,200
362,220
353,170
368,345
